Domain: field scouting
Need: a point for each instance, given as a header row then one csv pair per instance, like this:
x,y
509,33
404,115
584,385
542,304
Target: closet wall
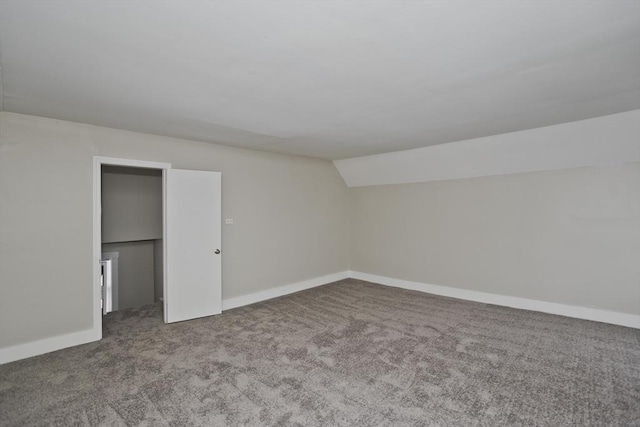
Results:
x,y
132,227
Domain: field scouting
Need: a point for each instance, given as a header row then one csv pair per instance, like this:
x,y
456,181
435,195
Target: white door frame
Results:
x,y
98,161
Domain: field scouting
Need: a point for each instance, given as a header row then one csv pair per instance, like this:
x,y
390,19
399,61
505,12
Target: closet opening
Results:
x,y
131,238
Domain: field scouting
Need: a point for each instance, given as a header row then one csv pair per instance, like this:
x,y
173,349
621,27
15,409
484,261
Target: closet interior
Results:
x,y
132,235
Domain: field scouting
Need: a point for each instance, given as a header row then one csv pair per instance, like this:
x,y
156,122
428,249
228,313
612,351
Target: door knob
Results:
x,y
217,251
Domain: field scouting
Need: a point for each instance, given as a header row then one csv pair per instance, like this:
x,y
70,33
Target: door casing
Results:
x,y
98,161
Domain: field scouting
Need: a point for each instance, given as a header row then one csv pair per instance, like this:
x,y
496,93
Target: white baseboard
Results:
x,y
282,290
47,345
598,315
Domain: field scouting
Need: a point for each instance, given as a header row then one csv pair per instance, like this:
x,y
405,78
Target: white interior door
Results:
x,y
193,237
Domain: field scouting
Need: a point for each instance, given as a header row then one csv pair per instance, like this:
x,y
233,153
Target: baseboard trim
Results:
x,y
47,345
586,313
240,301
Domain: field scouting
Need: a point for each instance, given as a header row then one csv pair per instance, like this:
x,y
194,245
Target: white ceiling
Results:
x,y
329,79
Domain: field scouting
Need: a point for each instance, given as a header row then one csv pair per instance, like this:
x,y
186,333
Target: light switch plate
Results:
x,y
228,221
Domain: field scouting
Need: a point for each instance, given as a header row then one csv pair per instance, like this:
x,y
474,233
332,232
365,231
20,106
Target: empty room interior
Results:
x,y
320,213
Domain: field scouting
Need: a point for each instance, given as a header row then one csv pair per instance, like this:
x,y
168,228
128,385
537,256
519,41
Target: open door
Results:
x,y
193,237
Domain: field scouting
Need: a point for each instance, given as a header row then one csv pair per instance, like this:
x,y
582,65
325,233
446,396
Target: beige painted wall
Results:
x,y
567,236
289,212
570,236
131,204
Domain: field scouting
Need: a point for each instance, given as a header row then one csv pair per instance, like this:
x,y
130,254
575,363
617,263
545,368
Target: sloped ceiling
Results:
x,y
328,79
599,141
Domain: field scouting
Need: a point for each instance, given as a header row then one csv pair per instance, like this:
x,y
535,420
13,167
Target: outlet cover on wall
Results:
x,y
228,221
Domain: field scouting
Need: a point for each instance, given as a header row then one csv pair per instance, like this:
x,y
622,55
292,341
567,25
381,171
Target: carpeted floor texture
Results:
x,y
348,353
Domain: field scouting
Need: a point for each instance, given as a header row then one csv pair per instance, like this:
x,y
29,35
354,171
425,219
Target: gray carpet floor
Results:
x,y
348,353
